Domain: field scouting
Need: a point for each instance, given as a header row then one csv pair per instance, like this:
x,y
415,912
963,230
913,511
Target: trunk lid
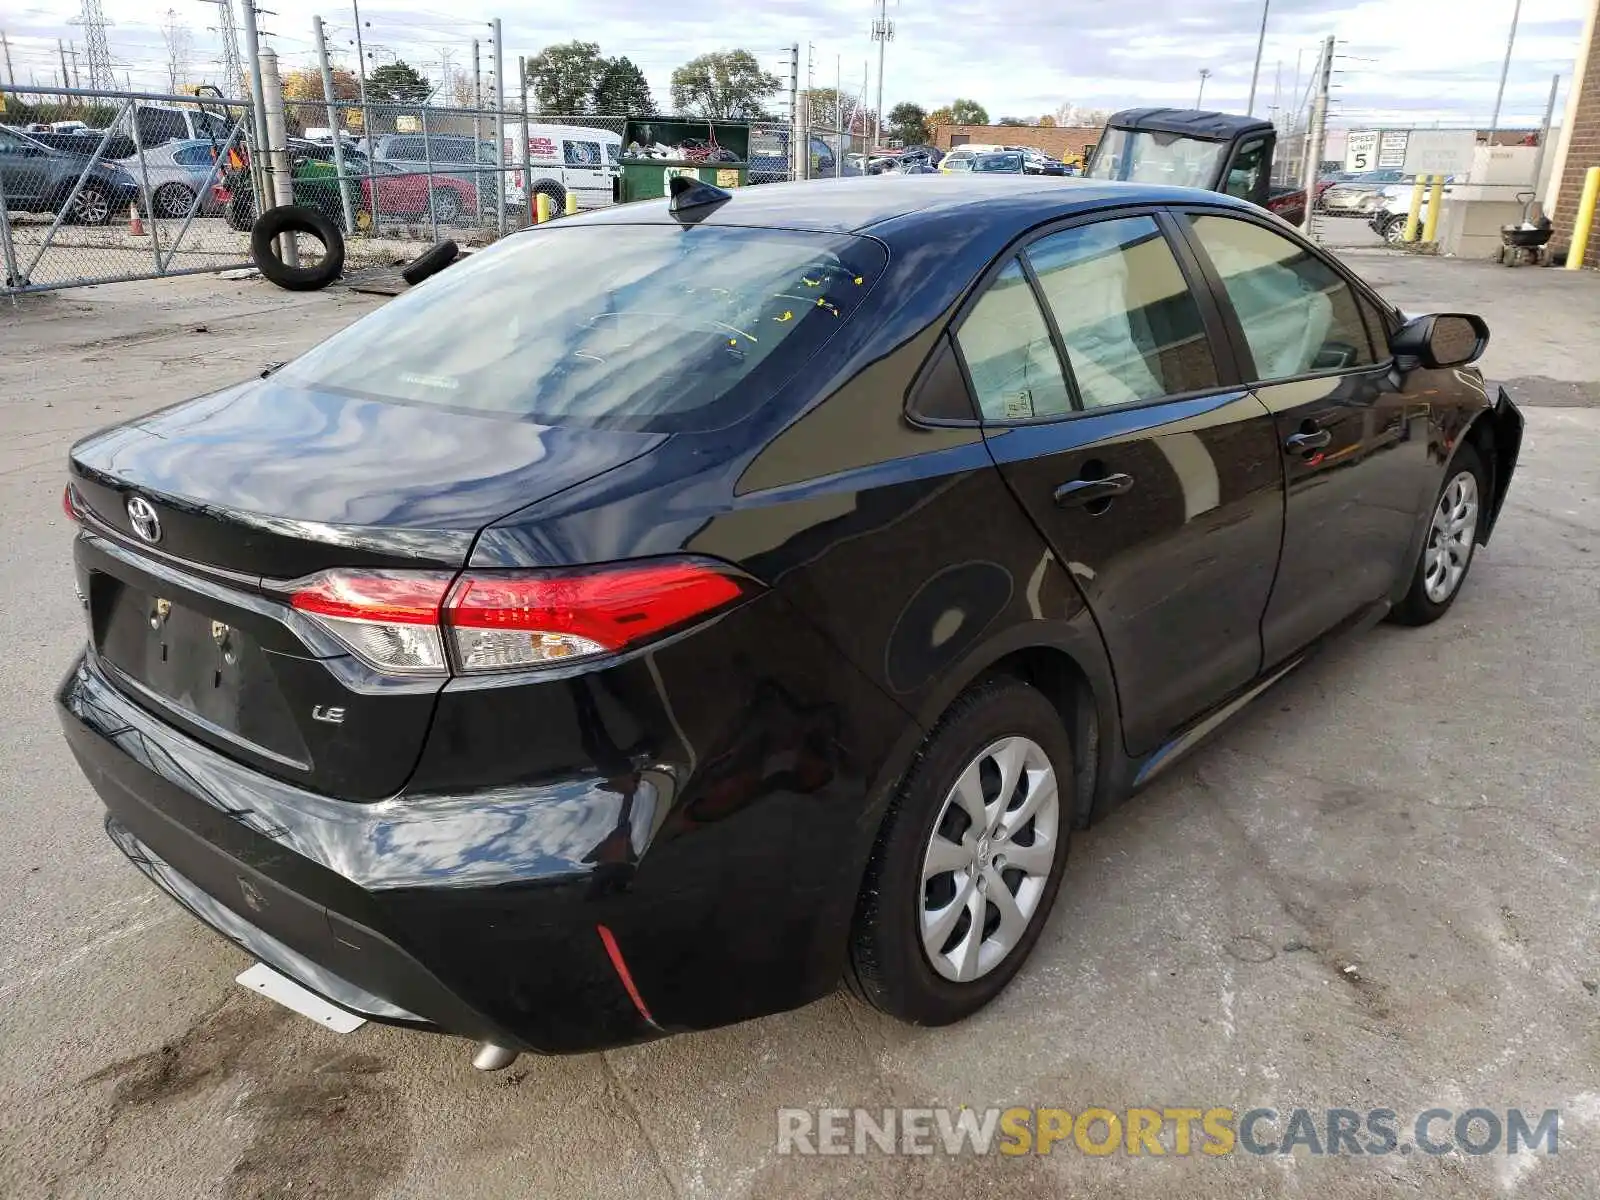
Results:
x,y
262,484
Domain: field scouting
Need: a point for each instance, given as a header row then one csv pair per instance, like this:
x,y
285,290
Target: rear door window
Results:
x,y
1131,327
648,327
1004,341
582,154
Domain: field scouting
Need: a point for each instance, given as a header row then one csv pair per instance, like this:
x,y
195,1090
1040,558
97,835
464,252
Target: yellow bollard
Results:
x,y
541,208
1430,227
1415,213
1585,221
572,204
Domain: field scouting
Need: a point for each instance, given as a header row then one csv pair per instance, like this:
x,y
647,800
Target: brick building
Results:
x,y
1056,142
1579,146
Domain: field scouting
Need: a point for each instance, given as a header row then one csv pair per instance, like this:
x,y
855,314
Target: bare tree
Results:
x,y
1070,115
180,42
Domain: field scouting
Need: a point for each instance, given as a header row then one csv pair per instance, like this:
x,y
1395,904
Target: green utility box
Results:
x,y
655,149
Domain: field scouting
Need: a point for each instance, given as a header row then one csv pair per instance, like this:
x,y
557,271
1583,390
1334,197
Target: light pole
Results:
x,y
1261,41
1511,39
1205,73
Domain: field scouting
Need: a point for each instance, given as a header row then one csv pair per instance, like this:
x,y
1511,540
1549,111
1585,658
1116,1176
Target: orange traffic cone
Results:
x,y
135,222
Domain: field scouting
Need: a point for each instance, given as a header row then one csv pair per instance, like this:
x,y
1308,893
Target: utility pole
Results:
x,y
1316,135
1544,130
796,151
11,76
838,113
258,112
61,49
1505,69
334,124
1261,41
883,34
72,53
499,117
1205,74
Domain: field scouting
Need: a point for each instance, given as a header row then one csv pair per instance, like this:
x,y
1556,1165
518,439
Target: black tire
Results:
x,y
1394,230
888,966
92,206
429,263
171,201
447,206
1418,607
294,219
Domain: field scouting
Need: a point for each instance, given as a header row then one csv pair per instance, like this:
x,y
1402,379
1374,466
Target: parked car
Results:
x,y
37,178
162,123
960,159
178,171
402,194
1358,193
1036,162
1392,208
473,162
86,143
1008,162
657,617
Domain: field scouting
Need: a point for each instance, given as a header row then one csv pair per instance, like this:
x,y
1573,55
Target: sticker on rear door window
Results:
x,y
1018,406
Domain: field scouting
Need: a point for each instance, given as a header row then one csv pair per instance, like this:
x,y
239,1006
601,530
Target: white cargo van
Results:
x,y
558,160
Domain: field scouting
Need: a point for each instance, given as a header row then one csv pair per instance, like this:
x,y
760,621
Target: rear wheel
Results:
x,y
447,206
1394,230
172,201
1452,534
969,859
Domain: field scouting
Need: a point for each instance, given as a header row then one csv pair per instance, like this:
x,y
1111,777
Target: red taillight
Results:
x,y
506,621
68,504
395,619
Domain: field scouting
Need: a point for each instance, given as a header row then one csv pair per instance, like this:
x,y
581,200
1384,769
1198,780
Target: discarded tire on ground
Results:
x,y
294,219
431,263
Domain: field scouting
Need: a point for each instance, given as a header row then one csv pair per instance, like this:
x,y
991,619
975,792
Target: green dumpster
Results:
x,y
657,148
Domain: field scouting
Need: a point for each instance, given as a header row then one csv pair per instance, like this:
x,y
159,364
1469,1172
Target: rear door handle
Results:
x,y
1299,443
1087,491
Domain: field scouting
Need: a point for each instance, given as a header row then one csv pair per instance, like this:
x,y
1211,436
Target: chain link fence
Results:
x,y
112,186
102,187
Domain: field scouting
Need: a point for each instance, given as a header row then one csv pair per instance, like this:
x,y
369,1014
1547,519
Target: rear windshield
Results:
x,y
647,327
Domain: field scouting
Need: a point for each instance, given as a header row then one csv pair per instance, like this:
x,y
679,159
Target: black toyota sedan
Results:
x,y
672,611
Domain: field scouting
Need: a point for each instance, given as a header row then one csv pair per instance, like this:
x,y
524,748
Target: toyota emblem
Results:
x,y
142,516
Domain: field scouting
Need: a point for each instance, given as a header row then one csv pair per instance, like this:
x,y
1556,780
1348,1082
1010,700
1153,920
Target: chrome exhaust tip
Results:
x,y
493,1058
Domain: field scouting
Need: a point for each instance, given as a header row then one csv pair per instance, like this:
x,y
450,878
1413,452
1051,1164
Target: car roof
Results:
x,y
1187,121
858,205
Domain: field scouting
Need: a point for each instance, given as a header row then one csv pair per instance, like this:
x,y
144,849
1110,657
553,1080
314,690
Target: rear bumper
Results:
x,y
395,911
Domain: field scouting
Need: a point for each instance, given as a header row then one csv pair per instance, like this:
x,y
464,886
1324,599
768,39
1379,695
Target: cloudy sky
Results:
x,y
1400,61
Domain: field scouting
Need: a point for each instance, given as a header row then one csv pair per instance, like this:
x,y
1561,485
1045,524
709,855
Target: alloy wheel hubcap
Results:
x,y
1449,549
92,206
988,859
173,203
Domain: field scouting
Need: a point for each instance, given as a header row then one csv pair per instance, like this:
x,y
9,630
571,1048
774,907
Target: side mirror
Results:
x,y
1442,340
